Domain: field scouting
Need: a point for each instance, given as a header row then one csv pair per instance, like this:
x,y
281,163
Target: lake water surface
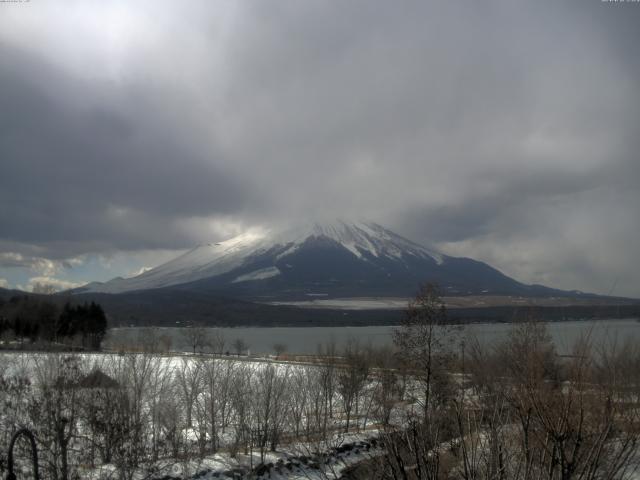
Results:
x,y
305,340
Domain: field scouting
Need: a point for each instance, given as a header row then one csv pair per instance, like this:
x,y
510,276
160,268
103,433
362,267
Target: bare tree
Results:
x,y
241,398
298,398
422,340
316,408
387,390
161,385
16,392
202,409
269,406
240,346
351,380
56,411
329,356
279,349
189,379
217,341
197,337
217,379
134,372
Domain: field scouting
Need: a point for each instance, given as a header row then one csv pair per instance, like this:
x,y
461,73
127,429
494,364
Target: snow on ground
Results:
x,y
261,274
382,303
296,461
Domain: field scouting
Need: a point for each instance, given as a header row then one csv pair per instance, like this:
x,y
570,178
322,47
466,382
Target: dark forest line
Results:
x,y
167,307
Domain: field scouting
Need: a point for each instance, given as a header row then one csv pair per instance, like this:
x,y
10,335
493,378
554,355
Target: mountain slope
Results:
x,y
336,259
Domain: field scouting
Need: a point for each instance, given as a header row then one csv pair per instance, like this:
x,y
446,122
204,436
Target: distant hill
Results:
x,y
7,293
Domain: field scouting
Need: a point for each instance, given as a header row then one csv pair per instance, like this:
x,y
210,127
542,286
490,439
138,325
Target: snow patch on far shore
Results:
x,y
258,275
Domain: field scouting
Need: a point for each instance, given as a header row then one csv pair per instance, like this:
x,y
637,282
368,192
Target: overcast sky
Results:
x,y
505,131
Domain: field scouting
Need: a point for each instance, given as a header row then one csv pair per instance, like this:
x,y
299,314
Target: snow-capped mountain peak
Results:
x,y
360,238
336,258
364,240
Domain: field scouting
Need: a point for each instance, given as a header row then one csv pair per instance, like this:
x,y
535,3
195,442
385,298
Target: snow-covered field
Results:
x,y
291,419
166,416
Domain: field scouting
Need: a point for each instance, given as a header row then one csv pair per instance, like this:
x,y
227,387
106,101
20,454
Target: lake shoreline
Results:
x,y
305,340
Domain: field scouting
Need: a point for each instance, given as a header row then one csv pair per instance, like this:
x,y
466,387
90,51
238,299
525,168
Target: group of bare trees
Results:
x,y
534,414
132,413
513,410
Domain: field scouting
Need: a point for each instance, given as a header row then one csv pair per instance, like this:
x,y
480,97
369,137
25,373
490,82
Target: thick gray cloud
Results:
x,y
506,131
103,172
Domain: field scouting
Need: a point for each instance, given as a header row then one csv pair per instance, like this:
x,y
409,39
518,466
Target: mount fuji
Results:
x,y
335,259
